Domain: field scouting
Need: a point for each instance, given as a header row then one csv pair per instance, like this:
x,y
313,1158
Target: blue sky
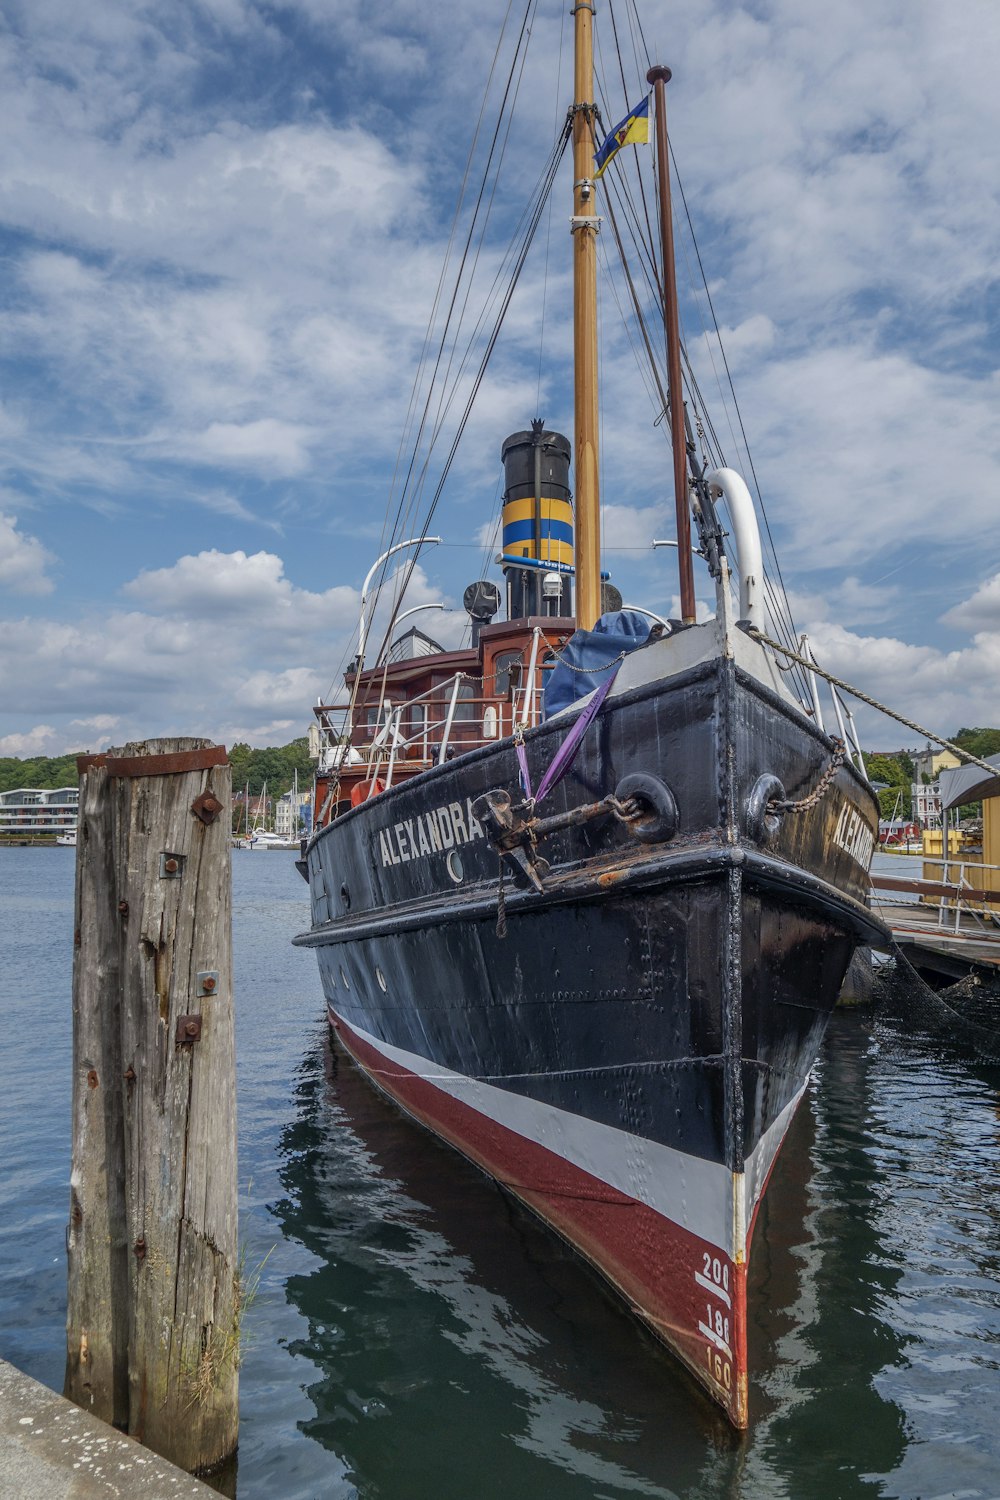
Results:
x,y
222,223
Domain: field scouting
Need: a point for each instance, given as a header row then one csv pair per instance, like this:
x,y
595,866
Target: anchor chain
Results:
x,y
501,902
805,804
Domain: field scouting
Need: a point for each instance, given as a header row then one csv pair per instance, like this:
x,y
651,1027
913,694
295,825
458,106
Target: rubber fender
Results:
x,y
761,825
659,818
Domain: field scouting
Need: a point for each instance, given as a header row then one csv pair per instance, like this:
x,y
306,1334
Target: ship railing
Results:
x,y
463,720
846,727
963,889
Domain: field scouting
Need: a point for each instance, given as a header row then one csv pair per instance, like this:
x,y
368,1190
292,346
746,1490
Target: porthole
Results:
x,y
381,979
455,868
344,980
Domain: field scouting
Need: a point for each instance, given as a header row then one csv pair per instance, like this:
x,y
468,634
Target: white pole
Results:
x,y
413,541
529,686
451,714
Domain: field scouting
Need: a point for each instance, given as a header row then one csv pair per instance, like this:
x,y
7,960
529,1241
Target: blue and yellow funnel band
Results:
x,y
556,529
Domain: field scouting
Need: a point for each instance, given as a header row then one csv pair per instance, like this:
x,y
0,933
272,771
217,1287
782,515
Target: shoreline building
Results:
x,y
39,810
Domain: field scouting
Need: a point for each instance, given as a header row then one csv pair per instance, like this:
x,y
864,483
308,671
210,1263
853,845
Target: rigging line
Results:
x,y
458,280
650,239
774,607
444,403
642,364
739,414
548,230
522,256
498,281
482,237
422,361
402,577
536,202
640,319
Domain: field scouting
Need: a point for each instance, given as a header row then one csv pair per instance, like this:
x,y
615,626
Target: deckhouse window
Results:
x,y
506,673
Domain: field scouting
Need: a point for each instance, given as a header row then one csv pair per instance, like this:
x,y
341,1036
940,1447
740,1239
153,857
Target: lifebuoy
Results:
x,y
366,789
659,818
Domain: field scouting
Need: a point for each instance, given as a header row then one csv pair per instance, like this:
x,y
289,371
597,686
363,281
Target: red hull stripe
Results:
x,y
703,1197
691,1292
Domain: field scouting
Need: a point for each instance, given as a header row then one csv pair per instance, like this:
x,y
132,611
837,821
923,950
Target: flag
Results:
x,y
633,130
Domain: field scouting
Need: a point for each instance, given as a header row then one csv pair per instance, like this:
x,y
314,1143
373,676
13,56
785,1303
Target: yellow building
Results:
x,y
931,763
974,784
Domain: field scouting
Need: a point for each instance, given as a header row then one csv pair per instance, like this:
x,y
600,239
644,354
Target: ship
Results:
x,y
584,890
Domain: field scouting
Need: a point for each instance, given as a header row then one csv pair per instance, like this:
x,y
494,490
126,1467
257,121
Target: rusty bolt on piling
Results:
x,y
123,908
209,981
206,807
188,1030
92,1079
140,1248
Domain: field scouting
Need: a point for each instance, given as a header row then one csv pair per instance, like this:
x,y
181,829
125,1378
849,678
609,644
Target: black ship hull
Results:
x,y
626,1052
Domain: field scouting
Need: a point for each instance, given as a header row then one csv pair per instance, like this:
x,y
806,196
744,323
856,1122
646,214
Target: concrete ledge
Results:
x,y
51,1450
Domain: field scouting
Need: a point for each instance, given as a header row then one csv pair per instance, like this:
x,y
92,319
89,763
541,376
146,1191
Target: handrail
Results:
x,y
459,676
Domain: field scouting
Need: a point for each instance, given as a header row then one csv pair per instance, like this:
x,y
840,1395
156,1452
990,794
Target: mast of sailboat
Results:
x,y
585,225
659,77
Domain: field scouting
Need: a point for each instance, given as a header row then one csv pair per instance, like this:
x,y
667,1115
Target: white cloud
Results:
x,y
23,560
37,741
217,297
981,612
215,585
939,689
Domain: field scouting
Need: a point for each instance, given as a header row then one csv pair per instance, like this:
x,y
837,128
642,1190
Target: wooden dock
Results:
x,y
941,942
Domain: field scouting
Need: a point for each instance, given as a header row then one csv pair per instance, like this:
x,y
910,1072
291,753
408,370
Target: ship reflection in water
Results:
x,y
464,1351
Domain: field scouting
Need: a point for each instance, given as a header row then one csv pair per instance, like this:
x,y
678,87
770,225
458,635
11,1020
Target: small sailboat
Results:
x,y
584,892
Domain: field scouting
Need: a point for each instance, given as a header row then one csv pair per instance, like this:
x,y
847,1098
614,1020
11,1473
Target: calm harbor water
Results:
x,y
416,1335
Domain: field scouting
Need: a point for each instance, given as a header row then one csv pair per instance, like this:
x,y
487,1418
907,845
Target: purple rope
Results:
x,y
567,750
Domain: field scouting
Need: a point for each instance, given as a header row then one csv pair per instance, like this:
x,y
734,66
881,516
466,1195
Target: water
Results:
x,y
416,1335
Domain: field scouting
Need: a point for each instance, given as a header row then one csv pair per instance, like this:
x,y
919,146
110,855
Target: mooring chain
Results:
x,y
588,671
501,903
805,804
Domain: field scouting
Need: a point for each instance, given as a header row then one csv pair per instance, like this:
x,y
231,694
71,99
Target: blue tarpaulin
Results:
x,y
586,652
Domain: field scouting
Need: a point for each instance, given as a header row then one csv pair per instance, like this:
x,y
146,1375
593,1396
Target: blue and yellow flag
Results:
x,y
632,131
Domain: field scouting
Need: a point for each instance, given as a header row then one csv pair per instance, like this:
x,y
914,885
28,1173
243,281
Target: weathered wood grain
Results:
x,y
153,1325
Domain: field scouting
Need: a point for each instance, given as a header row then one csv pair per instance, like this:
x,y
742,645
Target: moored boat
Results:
x,y
584,892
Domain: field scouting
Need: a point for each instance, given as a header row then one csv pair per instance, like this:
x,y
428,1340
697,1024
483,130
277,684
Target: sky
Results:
x,y
222,225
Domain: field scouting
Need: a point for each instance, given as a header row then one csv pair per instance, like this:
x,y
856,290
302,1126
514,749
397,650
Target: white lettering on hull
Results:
x,y
853,835
432,832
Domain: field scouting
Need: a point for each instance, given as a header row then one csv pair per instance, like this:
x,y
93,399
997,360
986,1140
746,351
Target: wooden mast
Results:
x,y
585,225
659,77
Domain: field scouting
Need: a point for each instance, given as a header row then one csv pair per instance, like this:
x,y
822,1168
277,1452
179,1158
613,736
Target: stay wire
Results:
x,y
555,159
446,327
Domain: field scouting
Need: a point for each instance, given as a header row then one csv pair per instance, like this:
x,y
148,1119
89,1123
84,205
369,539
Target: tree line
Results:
x,y
274,766
899,773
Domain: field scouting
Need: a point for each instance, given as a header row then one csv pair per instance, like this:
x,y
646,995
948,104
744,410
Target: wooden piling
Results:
x,y
154,1294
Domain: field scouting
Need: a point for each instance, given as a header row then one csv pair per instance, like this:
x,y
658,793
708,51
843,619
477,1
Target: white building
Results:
x,y
31,810
926,803
289,821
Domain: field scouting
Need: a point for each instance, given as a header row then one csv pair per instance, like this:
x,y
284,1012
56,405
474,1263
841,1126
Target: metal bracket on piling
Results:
x,y
188,1031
